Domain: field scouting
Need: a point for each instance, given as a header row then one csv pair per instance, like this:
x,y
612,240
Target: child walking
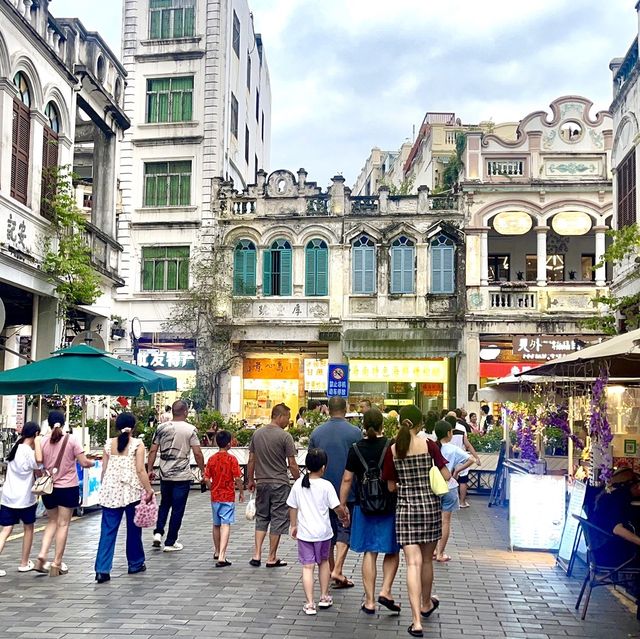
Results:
x,y
309,502
223,475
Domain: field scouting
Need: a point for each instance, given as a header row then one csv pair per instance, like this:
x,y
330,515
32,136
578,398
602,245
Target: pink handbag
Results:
x,y
146,513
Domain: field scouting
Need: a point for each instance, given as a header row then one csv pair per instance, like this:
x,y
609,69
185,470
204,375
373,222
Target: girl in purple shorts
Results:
x,y
309,502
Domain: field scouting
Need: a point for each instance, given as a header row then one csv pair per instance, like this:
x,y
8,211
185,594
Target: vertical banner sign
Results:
x,y
338,380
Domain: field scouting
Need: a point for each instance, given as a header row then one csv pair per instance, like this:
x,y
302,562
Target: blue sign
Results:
x,y
338,380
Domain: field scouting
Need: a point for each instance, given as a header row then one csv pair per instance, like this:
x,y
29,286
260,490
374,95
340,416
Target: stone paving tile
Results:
x,y
486,591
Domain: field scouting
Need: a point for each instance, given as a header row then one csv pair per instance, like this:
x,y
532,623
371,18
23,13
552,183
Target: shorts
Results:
x,y
224,512
450,501
12,516
463,479
340,533
65,497
313,552
271,508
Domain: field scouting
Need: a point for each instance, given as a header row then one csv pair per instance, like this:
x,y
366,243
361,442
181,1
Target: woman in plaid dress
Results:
x,y
418,514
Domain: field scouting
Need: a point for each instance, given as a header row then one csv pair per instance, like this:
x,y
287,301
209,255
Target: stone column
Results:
x,y
7,93
541,232
601,272
49,327
484,257
104,181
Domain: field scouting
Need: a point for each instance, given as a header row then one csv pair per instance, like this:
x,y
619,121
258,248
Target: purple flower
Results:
x,y
600,429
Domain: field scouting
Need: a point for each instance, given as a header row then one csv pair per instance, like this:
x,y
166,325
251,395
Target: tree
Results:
x,y
203,315
455,165
67,259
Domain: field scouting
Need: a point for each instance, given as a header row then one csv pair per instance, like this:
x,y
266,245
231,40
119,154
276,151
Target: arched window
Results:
x,y
276,275
403,253
316,259
363,261
244,268
442,265
21,139
49,157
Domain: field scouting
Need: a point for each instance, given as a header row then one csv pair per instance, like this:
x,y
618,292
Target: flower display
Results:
x,y
600,430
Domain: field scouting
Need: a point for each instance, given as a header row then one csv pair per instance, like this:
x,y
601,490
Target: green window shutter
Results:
x,y
266,273
189,22
239,271
310,271
172,275
162,190
165,28
369,270
178,23
250,272
149,191
322,271
147,274
185,190
158,275
285,271
183,274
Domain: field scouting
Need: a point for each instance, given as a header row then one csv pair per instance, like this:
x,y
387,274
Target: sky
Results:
x,y
349,75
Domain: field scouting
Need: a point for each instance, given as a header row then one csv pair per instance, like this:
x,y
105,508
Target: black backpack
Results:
x,y
373,493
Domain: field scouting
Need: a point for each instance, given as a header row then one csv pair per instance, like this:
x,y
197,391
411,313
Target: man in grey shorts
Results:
x,y
269,451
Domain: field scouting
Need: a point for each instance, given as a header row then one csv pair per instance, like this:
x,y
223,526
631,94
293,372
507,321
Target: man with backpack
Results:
x,y
335,437
373,526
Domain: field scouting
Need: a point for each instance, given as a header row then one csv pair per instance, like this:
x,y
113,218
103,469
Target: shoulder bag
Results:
x,y
43,485
438,483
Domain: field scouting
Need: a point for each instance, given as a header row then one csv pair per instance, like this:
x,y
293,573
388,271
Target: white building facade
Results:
x,y
199,98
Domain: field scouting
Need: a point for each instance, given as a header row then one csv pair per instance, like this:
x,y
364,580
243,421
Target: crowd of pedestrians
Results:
x,y
371,494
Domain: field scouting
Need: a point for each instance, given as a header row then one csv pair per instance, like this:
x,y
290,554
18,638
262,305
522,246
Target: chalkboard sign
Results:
x,y
570,534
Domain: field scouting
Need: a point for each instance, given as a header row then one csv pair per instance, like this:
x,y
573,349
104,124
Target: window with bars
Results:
x,y
277,267
626,190
363,260
170,99
236,34
49,158
234,116
170,19
244,268
403,255
442,265
167,183
21,139
165,268
316,275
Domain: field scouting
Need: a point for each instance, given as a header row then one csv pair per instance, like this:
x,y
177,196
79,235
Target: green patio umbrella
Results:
x,y
83,370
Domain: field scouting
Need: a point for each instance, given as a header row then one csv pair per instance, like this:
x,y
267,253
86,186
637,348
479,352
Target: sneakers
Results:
x,y
309,609
175,548
3,573
157,541
325,602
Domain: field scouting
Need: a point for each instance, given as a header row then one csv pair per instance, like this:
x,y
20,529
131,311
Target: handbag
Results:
x,y
438,483
43,484
146,513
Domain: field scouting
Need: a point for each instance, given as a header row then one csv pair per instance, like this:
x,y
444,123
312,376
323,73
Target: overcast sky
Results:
x,y
348,75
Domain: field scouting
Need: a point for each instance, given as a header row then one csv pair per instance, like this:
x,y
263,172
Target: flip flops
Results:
x,y
339,584
367,610
390,604
278,563
436,604
222,564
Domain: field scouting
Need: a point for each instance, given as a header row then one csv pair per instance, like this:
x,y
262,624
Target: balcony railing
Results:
x,y
505,168
521,300
364,204
627,66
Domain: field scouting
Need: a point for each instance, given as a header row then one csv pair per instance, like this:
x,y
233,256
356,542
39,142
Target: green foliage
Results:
x,y
67,259
97,432
555,440
490,441
390,427
405,188
301,434
451,174
625,242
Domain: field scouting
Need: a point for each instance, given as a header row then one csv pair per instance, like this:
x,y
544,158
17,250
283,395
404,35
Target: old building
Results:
x,y
375,281
199,98
537,207
625,110
382,168
61,92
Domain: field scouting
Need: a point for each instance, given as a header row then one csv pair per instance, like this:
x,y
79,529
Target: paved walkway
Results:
x,y
486,591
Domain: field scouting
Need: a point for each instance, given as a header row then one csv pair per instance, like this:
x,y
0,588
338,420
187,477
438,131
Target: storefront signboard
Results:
x,y
545,347
403,370
20,234
270,368
503,369
157,358
338,380
315,375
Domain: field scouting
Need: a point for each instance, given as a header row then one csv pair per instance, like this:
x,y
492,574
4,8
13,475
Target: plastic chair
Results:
x,y
600,574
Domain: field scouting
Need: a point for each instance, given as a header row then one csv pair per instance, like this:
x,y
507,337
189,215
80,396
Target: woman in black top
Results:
x,y
372,533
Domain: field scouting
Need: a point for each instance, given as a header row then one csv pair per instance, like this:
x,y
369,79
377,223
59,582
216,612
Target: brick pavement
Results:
x,y
486,591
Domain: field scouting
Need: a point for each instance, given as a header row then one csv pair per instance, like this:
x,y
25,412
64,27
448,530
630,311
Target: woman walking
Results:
x,y
59,454
373,531
18,503
124,477
418,515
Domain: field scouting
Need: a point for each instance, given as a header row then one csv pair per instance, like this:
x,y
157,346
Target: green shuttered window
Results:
x,y
363,260
442,265
277,267
316,258
244,268
170,19
165,268
170,99
167,183
403,253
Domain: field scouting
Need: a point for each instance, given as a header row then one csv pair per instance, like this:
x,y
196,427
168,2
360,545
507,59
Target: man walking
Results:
x,y
335,437
175,440
270,450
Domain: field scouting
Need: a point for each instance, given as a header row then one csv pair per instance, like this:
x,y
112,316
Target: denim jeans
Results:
x,y
173,497
111,518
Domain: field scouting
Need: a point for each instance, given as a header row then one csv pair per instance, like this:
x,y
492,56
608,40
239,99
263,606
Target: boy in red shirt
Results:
x,y
223,476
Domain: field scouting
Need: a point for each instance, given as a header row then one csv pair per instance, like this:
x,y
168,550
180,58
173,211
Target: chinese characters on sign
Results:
x,y
338,380
19,234
407,370
276,368
166,359
315,374
544,347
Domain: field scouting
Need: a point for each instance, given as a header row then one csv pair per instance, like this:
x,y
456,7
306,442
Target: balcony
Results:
x,y
516,301
626,69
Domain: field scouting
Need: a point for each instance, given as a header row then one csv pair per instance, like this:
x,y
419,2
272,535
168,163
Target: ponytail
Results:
x,y
372,422
12,453
56,421
315,460
125,423
306,482
123,440
403,439
56,434
29,430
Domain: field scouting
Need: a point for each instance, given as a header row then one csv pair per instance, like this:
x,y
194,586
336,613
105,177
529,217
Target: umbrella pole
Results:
x,y
83,421
108,417
570,442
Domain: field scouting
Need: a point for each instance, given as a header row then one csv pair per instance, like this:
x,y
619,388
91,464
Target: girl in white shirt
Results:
x,y
18,503
309,502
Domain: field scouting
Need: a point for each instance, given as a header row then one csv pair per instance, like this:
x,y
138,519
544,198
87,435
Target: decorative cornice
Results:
x,y
168,141
177,56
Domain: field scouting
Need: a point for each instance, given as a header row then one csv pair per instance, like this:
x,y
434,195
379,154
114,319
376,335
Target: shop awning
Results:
x,y
397,343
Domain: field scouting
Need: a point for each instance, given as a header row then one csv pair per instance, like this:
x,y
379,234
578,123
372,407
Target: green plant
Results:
x,y
489,442
405,187
301,434
390,426
67,259
97,431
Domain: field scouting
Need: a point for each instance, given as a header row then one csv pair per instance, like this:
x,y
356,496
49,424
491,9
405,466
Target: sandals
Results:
x,y
41,565
278,563
436,604
255,563
444,559
309,609
222,564
415,633
55,571
367,610
339,584
28,568
390,604
326,601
